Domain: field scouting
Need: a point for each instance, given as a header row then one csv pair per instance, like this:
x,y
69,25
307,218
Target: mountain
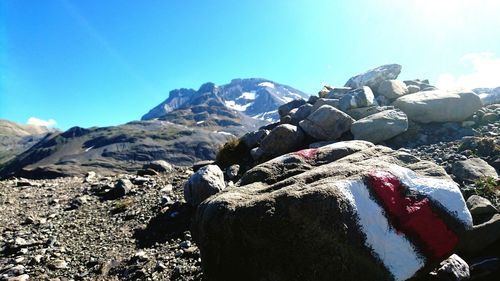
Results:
x,y
243,101
16,138
187,127
115,149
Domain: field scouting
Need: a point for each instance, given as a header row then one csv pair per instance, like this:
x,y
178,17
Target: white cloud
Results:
x,y
39,122
485,72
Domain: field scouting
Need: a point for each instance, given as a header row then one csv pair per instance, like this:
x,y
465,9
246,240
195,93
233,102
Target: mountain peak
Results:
x,y
254,98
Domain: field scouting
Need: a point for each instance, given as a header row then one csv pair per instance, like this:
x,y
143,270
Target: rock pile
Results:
x,y
317,180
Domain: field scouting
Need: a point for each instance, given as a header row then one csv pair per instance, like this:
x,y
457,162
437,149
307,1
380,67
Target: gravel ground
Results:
x,y
62,229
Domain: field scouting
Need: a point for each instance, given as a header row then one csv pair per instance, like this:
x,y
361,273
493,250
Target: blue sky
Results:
x,y
100,63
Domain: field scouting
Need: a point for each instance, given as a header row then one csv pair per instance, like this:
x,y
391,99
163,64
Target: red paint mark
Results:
x,y
415,218
309,153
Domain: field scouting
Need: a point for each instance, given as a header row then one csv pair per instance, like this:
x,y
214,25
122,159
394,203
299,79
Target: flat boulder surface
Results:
x,y
439,106
346,211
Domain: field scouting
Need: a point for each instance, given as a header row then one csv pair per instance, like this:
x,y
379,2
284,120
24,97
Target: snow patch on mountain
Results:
x,y
247,96
266,84
238,107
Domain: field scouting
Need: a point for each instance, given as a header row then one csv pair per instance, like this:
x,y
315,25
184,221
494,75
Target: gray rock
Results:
x,y
473,169
382,101
121,188
362,112
482,236
380,126
453,268
206,182
413,89
312,99
438,106
23,277
232,171
282,139
480,206
338,92
253,139
374,77
301,113
58,264
161,166
324,91
324,101
326,123
421,84
392,89
285,108
361,97
303,199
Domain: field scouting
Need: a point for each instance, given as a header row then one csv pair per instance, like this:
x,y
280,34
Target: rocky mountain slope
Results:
x,y
116,149
256,98
16,138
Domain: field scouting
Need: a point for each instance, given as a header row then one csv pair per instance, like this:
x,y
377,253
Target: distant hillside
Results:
x,y
115,149
16,138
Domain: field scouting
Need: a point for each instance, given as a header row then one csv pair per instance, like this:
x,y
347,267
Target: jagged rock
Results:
x,y
380,126
326,123
453,268
324,222
281,140
362,112
161,166
392,89
253,139
324,91
413,89
338,92
372,78
206,182
421,84
480,206
285,108
324,101
120,189
438,106
473,169
361,97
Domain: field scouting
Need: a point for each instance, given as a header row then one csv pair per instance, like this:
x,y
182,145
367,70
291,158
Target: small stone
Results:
x,y
185,244
479,205
58,264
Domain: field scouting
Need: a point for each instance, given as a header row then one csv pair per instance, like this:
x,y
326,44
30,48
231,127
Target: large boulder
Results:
x,y
206,182
438,106
473,169
325,214
392,89
326,123
361,97
281,140
380,126
287,107
372,78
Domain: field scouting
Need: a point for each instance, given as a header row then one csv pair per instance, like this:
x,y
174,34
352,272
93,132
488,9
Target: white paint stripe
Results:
x,y
393,249
446,192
